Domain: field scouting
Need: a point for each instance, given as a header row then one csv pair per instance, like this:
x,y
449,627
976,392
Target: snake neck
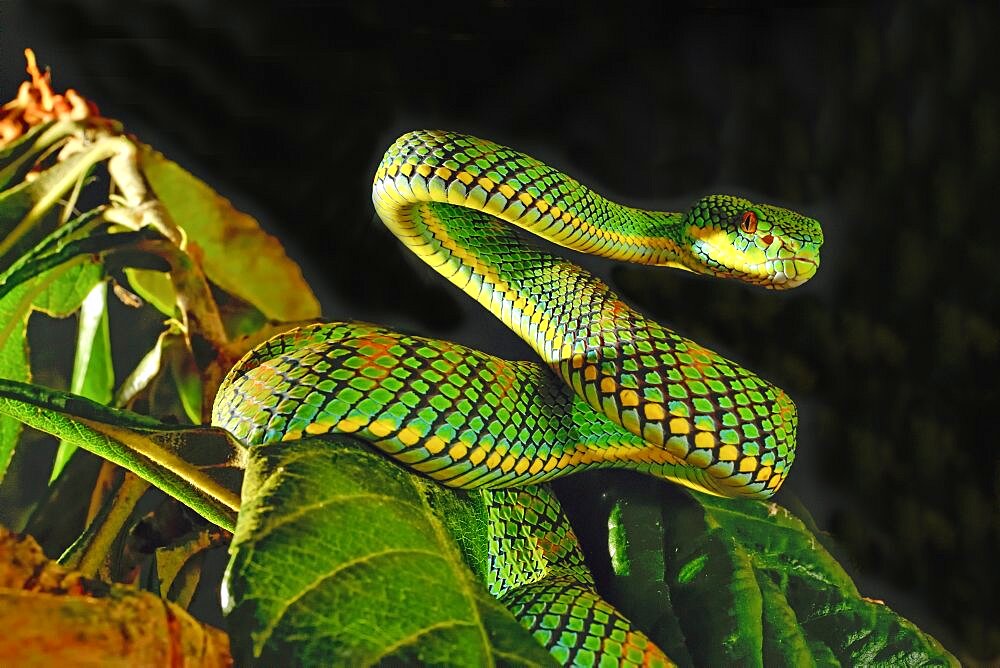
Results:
x,y
666,235
455,169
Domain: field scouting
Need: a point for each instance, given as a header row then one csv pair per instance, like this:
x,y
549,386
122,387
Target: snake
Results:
x,y
611,388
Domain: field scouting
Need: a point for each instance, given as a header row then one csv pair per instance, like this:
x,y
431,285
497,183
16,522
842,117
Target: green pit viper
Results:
x,y
615,390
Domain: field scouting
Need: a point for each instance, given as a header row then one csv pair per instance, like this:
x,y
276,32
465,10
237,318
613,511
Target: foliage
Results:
x,y
361,524
338,555
740,582
87,617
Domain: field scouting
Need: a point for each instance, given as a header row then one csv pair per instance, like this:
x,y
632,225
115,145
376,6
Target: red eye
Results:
x,y
749,222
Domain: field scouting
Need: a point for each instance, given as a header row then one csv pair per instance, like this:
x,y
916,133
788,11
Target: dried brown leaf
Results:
x,y
55,616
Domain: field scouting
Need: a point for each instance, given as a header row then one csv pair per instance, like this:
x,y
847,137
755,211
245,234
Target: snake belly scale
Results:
x,y
613,389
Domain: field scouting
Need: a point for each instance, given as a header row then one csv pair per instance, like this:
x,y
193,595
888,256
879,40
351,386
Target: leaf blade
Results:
x,y
93,373
165,455
15,307
236,253
14,366
754,561
350,521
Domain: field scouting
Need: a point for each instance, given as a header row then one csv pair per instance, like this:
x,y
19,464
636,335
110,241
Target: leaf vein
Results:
x,y
325,503
467,587
415,636
363,559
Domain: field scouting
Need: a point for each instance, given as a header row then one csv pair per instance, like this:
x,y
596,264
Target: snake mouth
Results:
x,y
772,273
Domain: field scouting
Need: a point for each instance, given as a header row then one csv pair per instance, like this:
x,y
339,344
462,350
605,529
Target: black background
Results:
x,y
883,122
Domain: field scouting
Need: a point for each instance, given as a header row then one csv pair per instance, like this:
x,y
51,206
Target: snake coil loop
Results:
x,y
615,389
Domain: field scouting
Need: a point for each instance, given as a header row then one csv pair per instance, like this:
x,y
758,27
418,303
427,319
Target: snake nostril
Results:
x,y
768,239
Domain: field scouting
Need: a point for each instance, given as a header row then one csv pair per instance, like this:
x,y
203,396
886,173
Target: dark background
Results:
x,y
883,122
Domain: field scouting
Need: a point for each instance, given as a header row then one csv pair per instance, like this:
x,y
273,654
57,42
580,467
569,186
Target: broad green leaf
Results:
x,y
236,253
639,564
751,585
67,291
72,253
53,278
339,559
93,373
54,249
197,466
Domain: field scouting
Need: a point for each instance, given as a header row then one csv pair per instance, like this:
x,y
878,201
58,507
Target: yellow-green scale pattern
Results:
x,y
538,571
452,200
461,416
616,390
467,419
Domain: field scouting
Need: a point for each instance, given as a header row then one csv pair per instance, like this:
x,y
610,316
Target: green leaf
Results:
x,y
54,277
751,585
13,363
236,253
93,373
639,564
51,251
155,287
338,559
187,378
145,371
64,295
198,466
55,291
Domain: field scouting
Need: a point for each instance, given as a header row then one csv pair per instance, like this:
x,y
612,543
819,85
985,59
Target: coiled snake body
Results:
x,y
615,389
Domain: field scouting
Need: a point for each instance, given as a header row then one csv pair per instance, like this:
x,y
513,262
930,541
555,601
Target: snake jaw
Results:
x,y
782,273
805,269
716,255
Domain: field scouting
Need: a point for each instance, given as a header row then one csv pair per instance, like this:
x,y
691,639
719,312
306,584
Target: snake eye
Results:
x,y
749,222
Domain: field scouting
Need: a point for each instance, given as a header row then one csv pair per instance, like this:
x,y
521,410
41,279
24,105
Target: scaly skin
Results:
x,y
616,390
445,195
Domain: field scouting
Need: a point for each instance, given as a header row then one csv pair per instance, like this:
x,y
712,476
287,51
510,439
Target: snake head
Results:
x,y
766,245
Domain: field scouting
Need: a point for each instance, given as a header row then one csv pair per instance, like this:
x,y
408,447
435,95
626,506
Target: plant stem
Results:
x,y
91,549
